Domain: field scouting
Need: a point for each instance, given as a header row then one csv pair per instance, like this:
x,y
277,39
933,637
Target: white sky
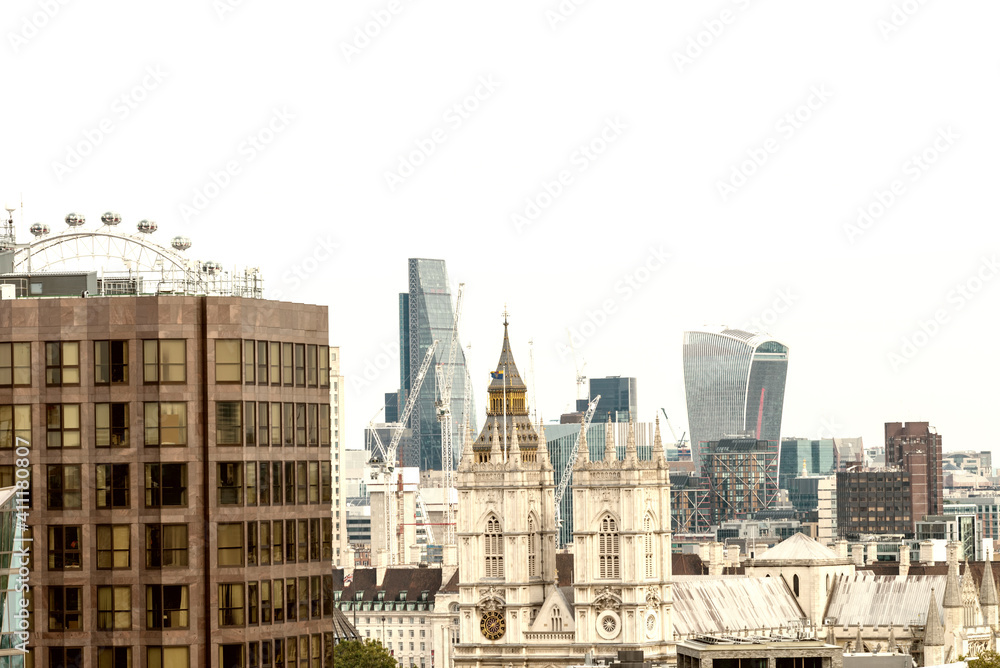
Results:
x,y
678,130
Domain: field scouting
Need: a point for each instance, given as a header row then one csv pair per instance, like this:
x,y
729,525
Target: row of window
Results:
x,y
168,606
166,485
166,546
157,656
165,361
165,424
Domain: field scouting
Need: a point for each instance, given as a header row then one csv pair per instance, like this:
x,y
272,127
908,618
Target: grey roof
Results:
x,y
952,589
988,590
934,633
881,600
797,548
716,605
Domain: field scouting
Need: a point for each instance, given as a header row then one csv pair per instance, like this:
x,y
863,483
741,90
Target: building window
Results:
x,y
114,608
300,365
65,608
313,422
230,544
289,482
112,488
275,423
114,657
300,424
557,622
325,482
287,364
302,483
327,524
166,546
65,657
166,606
290,542
647,543
262,362
265,601
324,424
264,483
249,363
303,543
62,363
250,423
274,358
227,360
166,485
324,366
110,362
15,364
166,424
164,361
228,423
277,541
607,549
263,424
15,423
231,656
114,546
265,543
795,585
494,548
111,425
278,600
288,424
230,483
64,548
231,606
532,548
313,482
312,367
251,474
167,657
62,425
65,491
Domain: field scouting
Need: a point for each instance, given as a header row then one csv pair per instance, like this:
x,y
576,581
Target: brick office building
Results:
x,y
180,456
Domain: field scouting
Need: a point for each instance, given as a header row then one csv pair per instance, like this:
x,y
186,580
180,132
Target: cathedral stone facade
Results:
x,y
512,613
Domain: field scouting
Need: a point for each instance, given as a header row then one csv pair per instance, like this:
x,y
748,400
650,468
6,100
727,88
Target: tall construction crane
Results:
x,y
445,380
567,473
383,460
678,442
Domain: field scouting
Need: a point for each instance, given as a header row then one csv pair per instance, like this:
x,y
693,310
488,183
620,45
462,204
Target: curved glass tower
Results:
x,y
735,386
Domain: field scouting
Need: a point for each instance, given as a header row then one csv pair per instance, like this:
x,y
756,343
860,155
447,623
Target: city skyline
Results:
x,y
626,175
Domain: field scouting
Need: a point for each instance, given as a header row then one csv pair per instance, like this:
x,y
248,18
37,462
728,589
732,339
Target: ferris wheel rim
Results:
x,y
24,256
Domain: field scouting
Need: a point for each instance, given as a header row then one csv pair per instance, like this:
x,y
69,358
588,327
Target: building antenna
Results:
x,y
534,393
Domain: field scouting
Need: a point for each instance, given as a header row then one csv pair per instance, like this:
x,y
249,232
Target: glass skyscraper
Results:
x,y
735,386
426,314
618,399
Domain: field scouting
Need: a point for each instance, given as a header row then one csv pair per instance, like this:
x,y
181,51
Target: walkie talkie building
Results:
x,y
735,386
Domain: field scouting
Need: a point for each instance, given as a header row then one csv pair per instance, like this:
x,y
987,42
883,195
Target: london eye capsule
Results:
x,y
180,243
111,218
39,229
75,219
146,226
211,268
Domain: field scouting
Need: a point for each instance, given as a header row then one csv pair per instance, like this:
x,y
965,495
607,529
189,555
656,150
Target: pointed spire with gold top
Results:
x,y
507,413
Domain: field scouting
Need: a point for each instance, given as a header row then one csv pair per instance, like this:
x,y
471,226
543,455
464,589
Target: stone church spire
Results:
x,y
658,455
583,456
610,453
631,453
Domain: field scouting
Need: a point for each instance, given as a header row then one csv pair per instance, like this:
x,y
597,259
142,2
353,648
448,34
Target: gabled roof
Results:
x,y
413,581
880,600
718,605
799,548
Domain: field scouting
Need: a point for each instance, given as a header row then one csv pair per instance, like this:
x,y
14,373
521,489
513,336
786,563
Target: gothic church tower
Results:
x,y
505,524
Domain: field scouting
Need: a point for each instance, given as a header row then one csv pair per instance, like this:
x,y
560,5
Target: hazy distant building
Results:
x,y
742,475
735,386
426,315
817,457
916,448
849,451
618,399
690,508
814,498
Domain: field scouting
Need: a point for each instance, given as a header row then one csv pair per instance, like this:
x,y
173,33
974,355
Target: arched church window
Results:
x,y
494,548
647,542
607,548
795,585
556,619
